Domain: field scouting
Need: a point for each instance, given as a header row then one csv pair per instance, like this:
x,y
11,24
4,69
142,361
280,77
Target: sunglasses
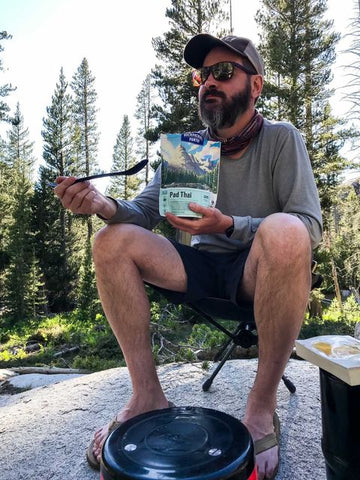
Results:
x,y
221,71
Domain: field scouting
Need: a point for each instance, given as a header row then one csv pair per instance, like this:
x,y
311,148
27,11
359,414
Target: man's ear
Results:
x,y
257,85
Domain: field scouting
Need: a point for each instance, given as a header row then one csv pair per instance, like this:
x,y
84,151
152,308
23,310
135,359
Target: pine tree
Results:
x,y
5,181
18,283
145,115
340,252
5,217
87,296
298,46
352,87
58,131
35,298
7,88
172,77
85,96
123,158
56,240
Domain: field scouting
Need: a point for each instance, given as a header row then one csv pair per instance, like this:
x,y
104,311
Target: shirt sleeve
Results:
x,y
143,210
245,228
295,186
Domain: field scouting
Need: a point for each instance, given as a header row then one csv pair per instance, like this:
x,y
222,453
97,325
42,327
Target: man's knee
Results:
x,y
284,237
112,241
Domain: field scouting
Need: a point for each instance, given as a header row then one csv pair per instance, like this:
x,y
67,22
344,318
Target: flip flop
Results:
x,y
90,457
92,460
269,441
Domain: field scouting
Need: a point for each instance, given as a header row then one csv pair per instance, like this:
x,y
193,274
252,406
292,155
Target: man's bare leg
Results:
x,y
277,277
124,256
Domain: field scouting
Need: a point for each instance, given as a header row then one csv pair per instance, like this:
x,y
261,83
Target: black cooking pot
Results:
x,y
179,443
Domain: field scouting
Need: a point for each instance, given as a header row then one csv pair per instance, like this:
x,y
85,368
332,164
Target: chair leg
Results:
x,y
223,349
207,384
289,384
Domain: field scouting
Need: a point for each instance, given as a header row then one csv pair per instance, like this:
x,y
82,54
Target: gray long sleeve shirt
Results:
x,y
273,175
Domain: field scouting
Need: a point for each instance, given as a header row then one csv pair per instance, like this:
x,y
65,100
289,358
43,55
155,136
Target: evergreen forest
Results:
x,y
50,313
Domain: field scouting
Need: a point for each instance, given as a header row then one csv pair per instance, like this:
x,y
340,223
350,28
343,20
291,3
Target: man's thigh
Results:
x,y
155,257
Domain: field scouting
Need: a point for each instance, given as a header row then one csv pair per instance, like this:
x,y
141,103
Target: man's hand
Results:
x,y
212,221
83,198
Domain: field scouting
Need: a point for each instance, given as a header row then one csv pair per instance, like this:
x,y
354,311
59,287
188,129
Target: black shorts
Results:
x,y
209,274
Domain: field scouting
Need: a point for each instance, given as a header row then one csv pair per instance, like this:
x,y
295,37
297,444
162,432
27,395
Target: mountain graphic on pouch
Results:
x,y
189,173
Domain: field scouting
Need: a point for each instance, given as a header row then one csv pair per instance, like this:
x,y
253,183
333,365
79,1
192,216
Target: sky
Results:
x,y
116,40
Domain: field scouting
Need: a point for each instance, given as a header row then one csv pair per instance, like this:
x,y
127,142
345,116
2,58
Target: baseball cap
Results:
x,y
199,46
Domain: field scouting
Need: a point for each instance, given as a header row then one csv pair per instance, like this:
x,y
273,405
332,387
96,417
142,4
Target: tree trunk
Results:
x,y
336,283
46,370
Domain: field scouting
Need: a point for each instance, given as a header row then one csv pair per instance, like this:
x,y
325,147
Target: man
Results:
x,y
255,245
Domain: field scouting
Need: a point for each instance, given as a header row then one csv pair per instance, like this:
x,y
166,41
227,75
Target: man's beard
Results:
x,y
224,114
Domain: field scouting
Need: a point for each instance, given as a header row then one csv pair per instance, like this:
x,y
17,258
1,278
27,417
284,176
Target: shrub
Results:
x,y
203,336
95,363
333,321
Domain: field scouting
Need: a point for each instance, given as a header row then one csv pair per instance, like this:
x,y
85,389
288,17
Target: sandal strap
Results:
x,y
265,443
113,425
271,440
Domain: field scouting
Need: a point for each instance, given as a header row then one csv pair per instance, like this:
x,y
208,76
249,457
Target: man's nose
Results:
x,y
210,79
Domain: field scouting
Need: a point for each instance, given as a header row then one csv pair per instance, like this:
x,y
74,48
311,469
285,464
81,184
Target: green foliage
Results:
x,y
123,187
298,46
86,134
314,327
87,298
333,321
352,69
145,115
350,311
5,217
96,363
7,88
205,365
84,111
185,354
342,242
36,295
93,339
57,243
206,337
175,337
173,80
58,131
19,287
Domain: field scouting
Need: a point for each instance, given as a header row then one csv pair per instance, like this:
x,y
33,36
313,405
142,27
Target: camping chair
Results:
x,y
213,309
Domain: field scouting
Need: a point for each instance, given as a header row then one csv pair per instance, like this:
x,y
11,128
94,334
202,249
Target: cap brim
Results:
x,y
199,46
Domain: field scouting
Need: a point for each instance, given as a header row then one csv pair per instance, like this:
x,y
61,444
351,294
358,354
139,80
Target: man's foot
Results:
x,y
266,439
132,409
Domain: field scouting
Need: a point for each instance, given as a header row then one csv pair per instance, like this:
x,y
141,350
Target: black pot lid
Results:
x,y
179,443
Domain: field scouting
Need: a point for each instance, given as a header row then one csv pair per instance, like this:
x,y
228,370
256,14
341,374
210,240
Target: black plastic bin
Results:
x,y
340,404
179,443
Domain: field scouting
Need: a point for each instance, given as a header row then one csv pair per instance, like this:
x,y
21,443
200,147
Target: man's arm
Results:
x,y
84,198
295,186
143,210
291,182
